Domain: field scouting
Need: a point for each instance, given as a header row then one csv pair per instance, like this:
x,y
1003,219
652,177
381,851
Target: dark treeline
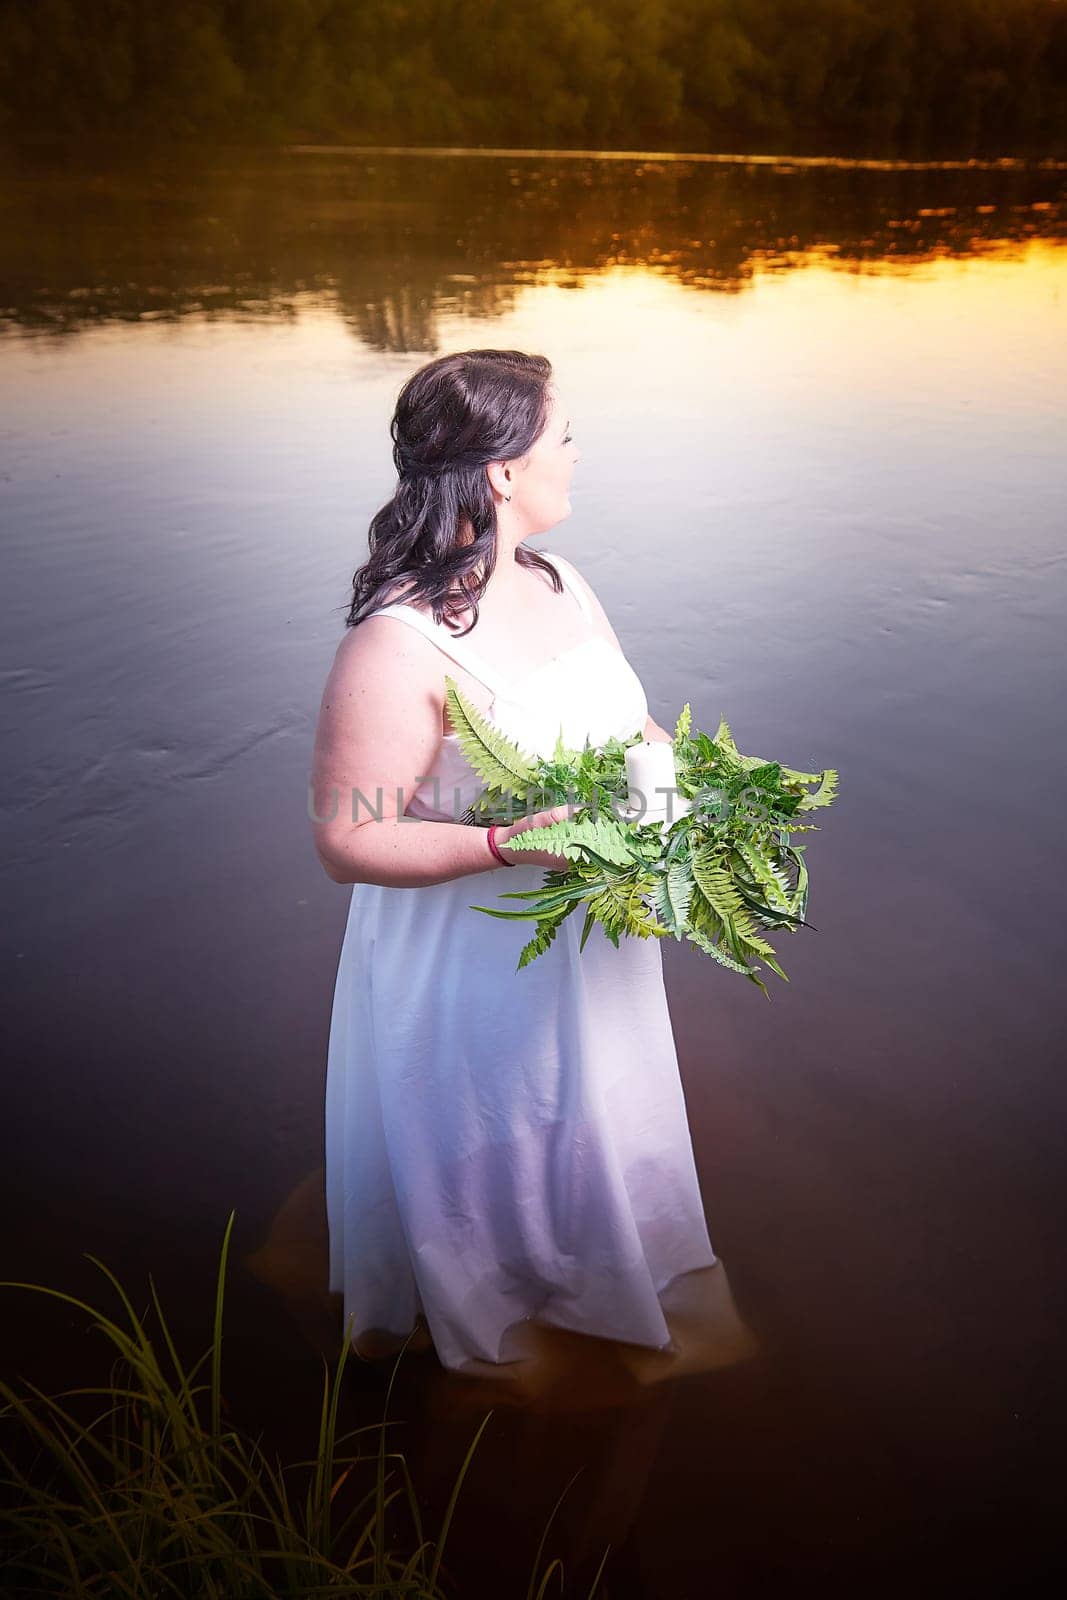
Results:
x,y
862,77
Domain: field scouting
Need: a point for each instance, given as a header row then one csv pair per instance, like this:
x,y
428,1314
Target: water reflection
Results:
x,y
395,243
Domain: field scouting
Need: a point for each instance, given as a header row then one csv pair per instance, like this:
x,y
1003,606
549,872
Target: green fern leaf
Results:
x,y
621,909
590,919
545,899
776,894
749,949
513,916
724,738
711,949
673,895
603,836
494,757
538,944
643,920
714,884
823,795
723,874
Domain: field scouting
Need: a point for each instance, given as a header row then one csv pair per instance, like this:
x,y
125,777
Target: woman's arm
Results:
x,y
654,731
378,731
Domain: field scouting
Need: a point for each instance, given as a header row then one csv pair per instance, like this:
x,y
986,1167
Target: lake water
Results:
x,y
821,415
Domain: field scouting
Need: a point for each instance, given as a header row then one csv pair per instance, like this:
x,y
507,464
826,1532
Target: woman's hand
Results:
x,y
535,858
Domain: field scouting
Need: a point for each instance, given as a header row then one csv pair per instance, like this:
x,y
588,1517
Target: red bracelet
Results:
x,y
493,847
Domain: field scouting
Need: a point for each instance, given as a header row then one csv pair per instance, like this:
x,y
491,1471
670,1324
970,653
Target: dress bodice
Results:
x,y
589,691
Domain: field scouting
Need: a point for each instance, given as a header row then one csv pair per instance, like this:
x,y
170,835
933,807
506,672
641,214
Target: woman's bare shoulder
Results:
x,y
381,641
396,662
374,632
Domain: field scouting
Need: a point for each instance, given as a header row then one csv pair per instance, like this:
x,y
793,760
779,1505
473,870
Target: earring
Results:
x,y
507,497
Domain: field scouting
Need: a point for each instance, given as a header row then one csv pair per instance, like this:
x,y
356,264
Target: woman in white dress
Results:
x,y
502,1146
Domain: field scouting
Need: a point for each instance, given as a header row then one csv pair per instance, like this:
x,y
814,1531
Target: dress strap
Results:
x,y
570,581
457,650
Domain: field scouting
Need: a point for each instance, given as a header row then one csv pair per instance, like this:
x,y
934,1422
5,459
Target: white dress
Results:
x,y
501,1144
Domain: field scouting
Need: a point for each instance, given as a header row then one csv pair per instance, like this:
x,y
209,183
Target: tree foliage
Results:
x,y
883,77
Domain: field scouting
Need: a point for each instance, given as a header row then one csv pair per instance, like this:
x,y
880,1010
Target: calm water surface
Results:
x,y
822,493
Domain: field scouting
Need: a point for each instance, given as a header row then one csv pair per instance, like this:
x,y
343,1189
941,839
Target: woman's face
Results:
x,y
540,498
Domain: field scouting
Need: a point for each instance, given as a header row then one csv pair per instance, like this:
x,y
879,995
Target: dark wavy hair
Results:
x,y
453,416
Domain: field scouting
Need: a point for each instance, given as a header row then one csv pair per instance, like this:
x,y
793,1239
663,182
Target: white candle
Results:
x,y
650,767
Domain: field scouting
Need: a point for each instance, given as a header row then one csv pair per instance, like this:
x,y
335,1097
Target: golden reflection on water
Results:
x,y
393,240
652,158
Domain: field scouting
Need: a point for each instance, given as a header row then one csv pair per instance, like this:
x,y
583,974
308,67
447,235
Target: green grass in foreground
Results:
x,y
147,1499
